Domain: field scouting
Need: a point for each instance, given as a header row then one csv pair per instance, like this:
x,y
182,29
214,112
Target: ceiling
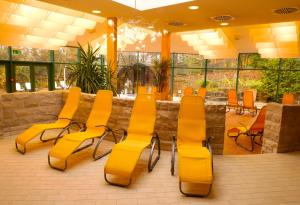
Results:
x,y
245,12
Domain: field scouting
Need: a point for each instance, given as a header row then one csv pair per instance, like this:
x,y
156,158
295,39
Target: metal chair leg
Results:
x,y
96,148
173,156
154,140
57,168
116,184
192,194
242,146
20,151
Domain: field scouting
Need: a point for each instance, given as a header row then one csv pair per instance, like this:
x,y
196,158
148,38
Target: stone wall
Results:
x,y
166,119
18,111
282,130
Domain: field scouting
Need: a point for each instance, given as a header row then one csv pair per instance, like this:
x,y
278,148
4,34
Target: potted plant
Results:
x,y
89,74
160,71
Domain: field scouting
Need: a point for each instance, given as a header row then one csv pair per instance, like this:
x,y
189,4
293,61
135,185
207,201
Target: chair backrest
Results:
x,y
18,87
188,91
248,101
101,109
71,104
232,97
143,115
288,99
202,93
191,120
142,90
28,86
259,123
153,89
63,84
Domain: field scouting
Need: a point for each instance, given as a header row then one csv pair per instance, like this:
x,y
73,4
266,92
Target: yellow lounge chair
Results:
x,y
202,93
188,91
63,122
95,128
248,103
253,131
194,151
125,154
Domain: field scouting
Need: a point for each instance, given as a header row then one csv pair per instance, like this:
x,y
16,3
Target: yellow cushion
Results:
x,y
33,131
195,164
69,143
124,157
125,154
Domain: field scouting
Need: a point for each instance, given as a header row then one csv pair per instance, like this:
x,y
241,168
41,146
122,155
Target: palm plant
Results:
x,y
160,70
88,74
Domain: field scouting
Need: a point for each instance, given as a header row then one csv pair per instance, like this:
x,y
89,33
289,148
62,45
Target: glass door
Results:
x,y
31,77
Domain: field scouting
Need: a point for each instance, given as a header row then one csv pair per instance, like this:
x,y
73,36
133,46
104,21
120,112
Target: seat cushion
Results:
x,y
124,157
36,129
195,164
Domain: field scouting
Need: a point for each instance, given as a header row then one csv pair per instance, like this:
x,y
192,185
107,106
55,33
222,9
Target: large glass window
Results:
x,y
184,77
23,82
61,76
218,82
2,79
66,55
30,54
3,53
41,78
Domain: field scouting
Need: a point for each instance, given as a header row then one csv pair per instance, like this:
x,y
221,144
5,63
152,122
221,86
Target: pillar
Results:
x,y
166,55
112,39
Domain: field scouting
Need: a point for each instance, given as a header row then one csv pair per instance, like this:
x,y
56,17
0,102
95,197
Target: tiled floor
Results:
x,y
239,180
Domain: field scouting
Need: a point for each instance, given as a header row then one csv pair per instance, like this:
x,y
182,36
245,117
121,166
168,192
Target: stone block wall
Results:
x,y
18,111
282,130
166,119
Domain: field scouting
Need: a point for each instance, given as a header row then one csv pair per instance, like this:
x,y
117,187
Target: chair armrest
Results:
x,y
208,145
52,115
105,126
124,133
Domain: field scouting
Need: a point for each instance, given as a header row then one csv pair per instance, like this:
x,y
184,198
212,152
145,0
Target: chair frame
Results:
x,y
252,137
205,143
95,157
154,141
67,128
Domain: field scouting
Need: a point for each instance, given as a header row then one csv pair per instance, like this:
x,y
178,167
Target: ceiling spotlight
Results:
x,y
110,22
150,27
96,12
193,7
224,24
165,31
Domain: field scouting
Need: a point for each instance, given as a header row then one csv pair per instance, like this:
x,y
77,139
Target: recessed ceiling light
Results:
x,y
96,12
224,24
150,27
193,7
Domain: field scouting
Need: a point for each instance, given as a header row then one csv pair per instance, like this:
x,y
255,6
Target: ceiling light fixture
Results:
x,y
193,7
149,4
96,12
224,24
150,27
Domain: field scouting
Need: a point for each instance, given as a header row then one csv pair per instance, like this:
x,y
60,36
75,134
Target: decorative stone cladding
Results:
x,y
19,111
282,129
